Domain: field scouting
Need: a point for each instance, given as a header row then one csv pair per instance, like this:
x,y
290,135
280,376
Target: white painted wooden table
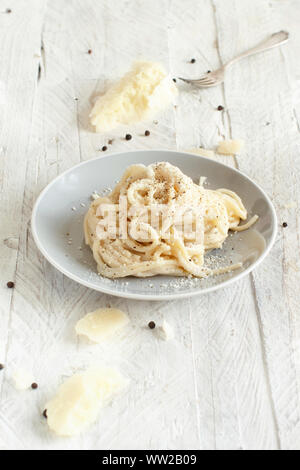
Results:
x,y
231,380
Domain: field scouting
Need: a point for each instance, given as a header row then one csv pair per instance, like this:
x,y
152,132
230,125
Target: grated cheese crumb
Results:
x,y
202,180
230,147
95,195
166,331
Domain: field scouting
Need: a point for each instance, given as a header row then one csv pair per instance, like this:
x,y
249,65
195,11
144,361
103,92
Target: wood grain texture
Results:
x,y
231,380
270,100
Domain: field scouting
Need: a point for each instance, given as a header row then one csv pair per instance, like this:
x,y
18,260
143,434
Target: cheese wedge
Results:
x,y
145,90
80,398
101,324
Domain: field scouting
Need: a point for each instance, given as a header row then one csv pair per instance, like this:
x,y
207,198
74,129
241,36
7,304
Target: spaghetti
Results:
x,y
148,238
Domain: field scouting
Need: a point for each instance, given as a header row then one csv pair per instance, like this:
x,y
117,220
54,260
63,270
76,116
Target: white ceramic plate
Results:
x,y
54,216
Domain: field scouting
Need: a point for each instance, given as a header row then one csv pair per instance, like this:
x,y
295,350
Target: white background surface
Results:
x,y
231,380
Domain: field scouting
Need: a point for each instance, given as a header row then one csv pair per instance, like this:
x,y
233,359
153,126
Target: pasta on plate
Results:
x,y
158,221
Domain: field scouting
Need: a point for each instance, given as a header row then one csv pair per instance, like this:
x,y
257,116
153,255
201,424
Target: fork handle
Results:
x,y
274,40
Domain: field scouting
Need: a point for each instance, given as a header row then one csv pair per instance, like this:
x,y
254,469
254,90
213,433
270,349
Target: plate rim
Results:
x,y
157,297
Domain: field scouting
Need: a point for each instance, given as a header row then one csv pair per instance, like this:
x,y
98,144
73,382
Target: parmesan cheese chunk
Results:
x,y
166,331
101,324
80,398
230,147
142,92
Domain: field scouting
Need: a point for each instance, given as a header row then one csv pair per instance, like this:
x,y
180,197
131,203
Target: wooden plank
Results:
x,y
235,410
18,80
272,160
45,300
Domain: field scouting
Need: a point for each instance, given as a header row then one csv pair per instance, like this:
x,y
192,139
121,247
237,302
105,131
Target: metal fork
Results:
x,y
211,79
